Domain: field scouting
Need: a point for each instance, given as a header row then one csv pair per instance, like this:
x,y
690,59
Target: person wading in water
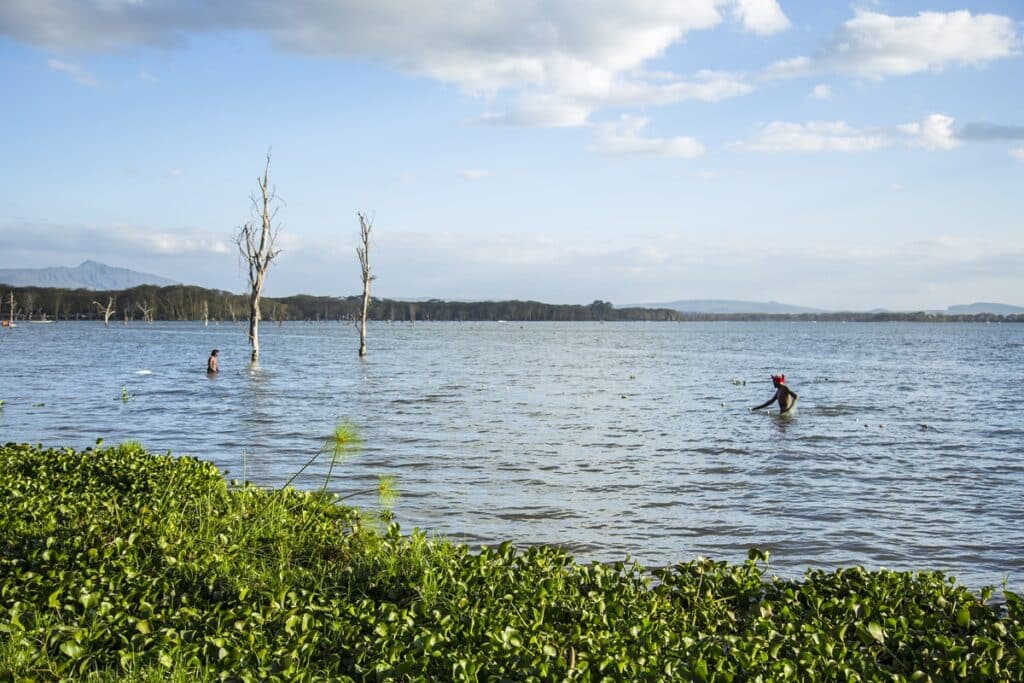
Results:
x,y
212,367
783,394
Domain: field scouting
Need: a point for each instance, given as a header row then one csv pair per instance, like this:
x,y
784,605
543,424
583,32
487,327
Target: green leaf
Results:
x,y
72,649
876,632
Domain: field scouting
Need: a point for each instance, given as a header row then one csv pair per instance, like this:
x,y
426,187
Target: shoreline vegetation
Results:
x,y
121,565
183,303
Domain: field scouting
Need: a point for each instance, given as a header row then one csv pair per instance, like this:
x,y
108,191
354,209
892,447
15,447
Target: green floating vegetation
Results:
x,y
120,565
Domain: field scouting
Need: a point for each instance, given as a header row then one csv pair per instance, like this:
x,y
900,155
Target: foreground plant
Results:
x,y
118,564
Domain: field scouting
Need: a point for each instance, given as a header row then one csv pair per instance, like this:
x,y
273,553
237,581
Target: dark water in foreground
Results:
x,y
613,439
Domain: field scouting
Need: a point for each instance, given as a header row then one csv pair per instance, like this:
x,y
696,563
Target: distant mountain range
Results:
x,y
970,309
729,306
89,275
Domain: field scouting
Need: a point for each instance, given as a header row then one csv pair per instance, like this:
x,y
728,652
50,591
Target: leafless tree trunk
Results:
x,y
107,311
147,313
256,245
12,310
30,304
206,313
363,251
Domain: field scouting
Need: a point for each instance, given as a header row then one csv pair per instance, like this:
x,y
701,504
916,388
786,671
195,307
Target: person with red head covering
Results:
x,y
783,394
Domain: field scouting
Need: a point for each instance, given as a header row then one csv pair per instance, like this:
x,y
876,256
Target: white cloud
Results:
x,y
822,91
933,132
475,174
626,137
80,75
874,45
761,16
839,274
815,136
111,239
1017,153
148,77
557,60
573,104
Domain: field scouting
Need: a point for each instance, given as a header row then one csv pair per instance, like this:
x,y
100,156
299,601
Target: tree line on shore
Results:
x,y
148,303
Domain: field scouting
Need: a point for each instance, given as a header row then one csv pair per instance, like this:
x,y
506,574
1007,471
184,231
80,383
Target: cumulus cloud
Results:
x,y
821,91
874,45
558,61
626,137
80,75
761,16
933,132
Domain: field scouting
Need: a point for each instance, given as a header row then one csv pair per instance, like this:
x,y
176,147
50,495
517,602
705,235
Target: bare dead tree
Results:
x,y
363,251
255,240
30,304
106,311
147,313
12,310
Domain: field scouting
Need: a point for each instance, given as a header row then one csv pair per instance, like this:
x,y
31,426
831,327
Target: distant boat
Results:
x,y
40,322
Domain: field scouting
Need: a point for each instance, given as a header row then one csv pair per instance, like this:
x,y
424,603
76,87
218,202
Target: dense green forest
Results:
x,y
180,302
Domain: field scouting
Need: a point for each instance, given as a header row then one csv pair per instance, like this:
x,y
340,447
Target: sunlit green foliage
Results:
x,y
119,565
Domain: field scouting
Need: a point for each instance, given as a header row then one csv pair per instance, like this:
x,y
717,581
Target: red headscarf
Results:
x,y
779,379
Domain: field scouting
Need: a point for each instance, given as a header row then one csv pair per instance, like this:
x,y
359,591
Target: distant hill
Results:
x,y
980,307
730,306
89,275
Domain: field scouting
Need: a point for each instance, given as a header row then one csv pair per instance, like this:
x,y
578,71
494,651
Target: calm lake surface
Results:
x,y
610,439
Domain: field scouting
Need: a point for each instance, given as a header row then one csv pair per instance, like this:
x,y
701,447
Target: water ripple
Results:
x,y
610,440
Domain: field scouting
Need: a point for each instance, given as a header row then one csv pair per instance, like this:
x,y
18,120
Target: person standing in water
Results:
x,y
783,394
212,367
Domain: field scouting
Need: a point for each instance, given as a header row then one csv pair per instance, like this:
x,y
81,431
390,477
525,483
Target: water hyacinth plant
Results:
x,y
120,565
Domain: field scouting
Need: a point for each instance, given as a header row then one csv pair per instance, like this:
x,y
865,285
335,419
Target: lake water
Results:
x,y
613,439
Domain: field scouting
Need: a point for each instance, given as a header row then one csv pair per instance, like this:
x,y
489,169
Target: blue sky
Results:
x,y
826,154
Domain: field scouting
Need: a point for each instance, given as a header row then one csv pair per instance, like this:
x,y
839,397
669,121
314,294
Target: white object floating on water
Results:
x,y
143,372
